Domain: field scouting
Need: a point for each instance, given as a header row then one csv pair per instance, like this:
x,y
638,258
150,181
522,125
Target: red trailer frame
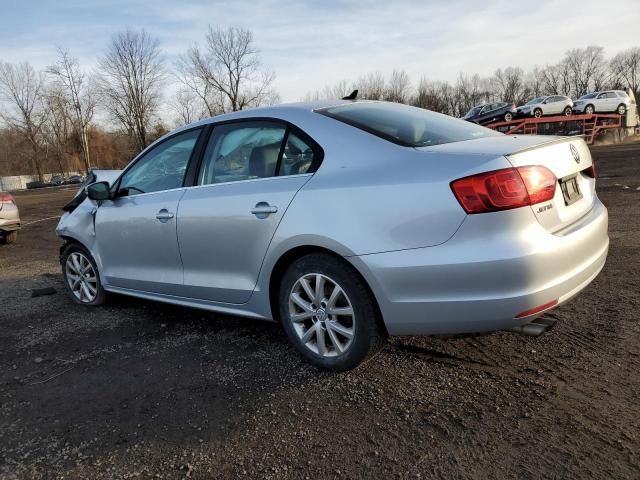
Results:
x,y
591,125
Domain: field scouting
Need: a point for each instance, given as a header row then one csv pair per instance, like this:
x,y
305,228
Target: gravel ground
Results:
x,y
142,389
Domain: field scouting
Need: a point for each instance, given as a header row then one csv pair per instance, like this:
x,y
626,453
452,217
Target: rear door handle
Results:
x,y
263,209
164,215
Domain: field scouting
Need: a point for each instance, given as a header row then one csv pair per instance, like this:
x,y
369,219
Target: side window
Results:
x,y
241,151
161,168
297,156
602,95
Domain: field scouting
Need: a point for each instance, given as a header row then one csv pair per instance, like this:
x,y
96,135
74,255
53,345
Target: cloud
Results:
x,y
313,43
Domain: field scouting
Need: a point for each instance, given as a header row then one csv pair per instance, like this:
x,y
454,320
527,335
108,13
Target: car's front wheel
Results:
x,y
537,113
567,111
589,110
622,109
81,276
508,117
328,312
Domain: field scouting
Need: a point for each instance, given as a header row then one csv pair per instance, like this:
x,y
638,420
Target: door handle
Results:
x,y
263,209
164,215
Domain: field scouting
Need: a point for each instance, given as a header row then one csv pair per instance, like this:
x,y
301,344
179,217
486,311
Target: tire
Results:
x,y
508,117
364,323
9,237
537,113
622,109
589,110
567,111
78,262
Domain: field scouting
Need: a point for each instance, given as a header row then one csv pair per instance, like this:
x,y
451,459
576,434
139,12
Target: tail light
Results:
x,y
590,171
505,189
6,198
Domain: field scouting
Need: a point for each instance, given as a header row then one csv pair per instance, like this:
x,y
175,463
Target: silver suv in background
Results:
x,y
546,105
9,218
603,102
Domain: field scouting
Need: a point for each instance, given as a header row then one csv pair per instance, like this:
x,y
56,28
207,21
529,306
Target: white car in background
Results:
x,y
546,105
603,102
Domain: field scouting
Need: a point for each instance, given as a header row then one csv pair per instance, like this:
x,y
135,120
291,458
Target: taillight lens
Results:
x,y
6,198
505,189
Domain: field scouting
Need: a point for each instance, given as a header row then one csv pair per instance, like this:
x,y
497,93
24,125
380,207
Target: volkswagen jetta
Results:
x,y
346,221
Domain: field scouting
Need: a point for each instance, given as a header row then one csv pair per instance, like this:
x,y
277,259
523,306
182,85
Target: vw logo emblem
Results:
x,y
575,153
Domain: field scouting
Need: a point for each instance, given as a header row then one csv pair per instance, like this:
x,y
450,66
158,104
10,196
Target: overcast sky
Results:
x,y
311,44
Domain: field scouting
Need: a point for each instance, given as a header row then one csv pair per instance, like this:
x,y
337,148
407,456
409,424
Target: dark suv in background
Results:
x,y
491,112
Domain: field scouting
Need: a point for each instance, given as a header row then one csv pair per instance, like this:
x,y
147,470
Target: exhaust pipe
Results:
x,y
535,327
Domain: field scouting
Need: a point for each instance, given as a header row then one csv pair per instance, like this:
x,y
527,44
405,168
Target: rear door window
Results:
x,y
242,151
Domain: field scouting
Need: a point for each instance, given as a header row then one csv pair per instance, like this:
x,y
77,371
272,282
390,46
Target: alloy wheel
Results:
x,y
622,110
81,277
322,315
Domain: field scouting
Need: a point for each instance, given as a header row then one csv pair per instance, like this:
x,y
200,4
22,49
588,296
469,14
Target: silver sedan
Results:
x,y
346,221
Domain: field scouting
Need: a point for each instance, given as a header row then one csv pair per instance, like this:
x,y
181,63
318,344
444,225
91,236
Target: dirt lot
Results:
x,y
144,389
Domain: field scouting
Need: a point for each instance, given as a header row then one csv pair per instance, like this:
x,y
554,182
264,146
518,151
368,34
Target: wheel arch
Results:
x,y
293,254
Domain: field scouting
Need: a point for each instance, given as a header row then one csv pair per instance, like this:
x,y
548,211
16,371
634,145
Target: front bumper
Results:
x,y
486,274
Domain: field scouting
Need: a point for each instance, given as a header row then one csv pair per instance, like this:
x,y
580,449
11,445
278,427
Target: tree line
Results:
x,y
57,119
580,71
62,118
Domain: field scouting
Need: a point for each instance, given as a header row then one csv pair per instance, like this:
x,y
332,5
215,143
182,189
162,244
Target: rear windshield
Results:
x,y
404,125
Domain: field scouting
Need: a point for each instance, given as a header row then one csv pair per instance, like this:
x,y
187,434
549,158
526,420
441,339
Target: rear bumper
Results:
x,y
483,277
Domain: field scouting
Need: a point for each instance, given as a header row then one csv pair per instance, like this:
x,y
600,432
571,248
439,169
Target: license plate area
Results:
x,y
570,189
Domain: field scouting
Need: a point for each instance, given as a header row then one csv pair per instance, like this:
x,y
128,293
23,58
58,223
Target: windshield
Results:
x,y
535,100
404,125
589,95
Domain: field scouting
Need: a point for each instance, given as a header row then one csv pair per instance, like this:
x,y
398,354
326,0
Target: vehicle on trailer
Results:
x,y
346,221
546,105
610,101
491,112
36,184
9,218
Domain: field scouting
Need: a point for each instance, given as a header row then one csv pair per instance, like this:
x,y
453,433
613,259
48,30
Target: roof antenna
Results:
x,y
351,96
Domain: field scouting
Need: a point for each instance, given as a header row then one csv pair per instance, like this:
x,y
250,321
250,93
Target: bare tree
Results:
x,y
587,67
21,87
625,67
57,128
186,106
131,76
398,88
371,86
77,88
227,73
434,96
510,85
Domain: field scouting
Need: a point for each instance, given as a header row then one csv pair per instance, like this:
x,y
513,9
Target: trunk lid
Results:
x,y
566,157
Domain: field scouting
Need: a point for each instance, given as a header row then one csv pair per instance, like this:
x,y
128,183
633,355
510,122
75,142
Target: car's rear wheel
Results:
x,y
9,237
81,276
328,312
567,111
622,109
589,109
508,117
537,113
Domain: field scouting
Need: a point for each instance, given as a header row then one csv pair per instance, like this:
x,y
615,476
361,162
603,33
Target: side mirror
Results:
x,y
99,191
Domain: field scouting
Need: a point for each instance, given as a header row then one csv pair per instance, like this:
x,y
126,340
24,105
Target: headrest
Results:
x,y
263,160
